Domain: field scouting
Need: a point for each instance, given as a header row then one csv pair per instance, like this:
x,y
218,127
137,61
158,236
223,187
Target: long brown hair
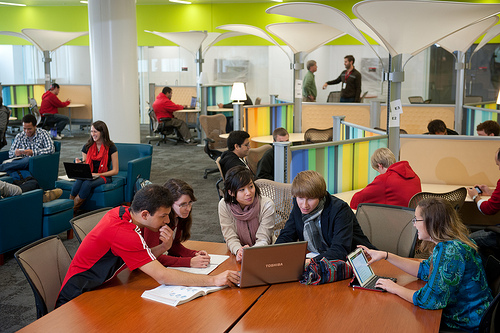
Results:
x,y
100,126
443,223
178,188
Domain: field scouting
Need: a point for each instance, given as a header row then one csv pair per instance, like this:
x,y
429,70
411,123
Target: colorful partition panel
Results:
x,y
473,117
219,94
263,120
348,132
345,166
17,95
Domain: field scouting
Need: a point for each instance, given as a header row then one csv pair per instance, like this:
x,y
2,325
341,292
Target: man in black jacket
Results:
x,y
351,82
238,146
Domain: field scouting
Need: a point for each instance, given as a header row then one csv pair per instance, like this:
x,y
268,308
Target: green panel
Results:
x,y
311,159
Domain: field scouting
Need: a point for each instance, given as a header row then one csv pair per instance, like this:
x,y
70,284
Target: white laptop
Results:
x,y
272,264
363,271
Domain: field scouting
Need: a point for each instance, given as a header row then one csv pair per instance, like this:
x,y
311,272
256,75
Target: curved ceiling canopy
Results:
x,y
410,26
492,33
304,36
190,40
46,40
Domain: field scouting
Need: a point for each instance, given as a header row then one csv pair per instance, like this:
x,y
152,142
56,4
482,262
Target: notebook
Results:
x,y
363,272
271,264
176,295
78,171
192,106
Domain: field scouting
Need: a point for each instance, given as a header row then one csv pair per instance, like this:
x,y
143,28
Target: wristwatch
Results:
x,y
474,198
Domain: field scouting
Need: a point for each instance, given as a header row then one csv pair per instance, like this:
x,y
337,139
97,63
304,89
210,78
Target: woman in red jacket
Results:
x,y
395,185
180,225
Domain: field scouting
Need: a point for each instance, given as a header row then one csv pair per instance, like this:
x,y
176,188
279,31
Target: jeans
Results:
x,y
58,120
347,100
83,188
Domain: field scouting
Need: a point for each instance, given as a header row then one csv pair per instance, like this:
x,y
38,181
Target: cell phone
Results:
x,y
479,191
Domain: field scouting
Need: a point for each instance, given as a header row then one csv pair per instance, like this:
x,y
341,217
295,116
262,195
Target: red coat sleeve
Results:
x,y
370,193
492,205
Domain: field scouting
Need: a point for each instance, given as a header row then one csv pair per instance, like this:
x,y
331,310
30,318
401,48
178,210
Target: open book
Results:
x,y
215,260
175,295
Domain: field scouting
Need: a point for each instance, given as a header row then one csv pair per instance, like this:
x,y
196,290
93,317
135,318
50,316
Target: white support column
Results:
x,y
113,64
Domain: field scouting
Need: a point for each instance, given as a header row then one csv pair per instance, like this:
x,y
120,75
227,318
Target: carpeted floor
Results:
x,y
17,304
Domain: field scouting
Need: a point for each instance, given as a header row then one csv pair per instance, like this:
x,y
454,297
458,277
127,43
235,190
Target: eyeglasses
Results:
x,y
414,220
246,144
186,204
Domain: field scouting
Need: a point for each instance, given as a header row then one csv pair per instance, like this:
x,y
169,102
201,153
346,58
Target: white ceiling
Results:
x,y
139,2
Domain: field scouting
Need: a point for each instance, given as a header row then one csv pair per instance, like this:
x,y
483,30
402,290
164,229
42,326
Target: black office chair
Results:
x,y
213,126
42,121
166,132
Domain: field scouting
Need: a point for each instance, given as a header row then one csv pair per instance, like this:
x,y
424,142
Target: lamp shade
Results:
x,y
498,98
238,93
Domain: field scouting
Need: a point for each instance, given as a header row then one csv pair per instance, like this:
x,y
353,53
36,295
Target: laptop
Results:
x,y
191,106
271,264
363,271
78,171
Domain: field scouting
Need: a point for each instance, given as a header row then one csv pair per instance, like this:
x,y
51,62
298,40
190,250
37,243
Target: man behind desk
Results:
x,y
116,243
164,109
265,167
49,109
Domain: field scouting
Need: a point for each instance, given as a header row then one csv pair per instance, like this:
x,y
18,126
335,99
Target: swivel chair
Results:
x,y
314,135
166,132
213,126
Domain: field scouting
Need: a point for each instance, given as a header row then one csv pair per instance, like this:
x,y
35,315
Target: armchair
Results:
x,y
21,220
45,168
134,159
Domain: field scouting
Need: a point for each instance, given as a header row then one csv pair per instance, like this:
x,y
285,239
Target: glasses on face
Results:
x,y
414,220
186,204
246,144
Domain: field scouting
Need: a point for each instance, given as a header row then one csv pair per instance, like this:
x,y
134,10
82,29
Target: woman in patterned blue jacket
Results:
x,y
456,281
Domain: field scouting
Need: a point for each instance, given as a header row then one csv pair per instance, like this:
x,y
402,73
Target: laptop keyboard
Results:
x,y
371,284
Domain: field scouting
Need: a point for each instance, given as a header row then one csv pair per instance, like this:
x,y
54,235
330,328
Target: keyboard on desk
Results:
x,y
371,284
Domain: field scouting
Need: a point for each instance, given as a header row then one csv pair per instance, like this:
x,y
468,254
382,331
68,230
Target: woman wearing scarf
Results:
x,y
327,224
246,218
102,156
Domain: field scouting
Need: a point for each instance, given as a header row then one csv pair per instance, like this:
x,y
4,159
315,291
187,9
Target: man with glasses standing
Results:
x,y
238,146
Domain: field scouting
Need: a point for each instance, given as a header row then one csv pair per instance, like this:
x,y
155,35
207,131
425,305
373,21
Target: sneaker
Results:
x,y
52,194
190,142
61,135
57,137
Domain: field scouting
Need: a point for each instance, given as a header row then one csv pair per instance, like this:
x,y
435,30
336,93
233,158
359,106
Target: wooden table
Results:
x,y
72,105
215,108
19,106
335,307
119,307
289,307
293,137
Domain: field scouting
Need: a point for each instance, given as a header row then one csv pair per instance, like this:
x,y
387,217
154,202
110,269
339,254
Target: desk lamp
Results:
x,y
238,94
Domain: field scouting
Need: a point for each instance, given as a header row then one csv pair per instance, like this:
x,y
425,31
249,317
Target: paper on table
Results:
x,y
215,260
175,295
65,177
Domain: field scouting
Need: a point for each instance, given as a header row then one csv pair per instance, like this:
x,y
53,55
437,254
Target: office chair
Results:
x,y
281,194
418,100
163,129
44,263
388,227
314,135
254,156
455,197
213,126
219,185
41,121
84,223
491,319
333,97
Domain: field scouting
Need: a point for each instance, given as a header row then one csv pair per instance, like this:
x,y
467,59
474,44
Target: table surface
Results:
x,y
75,105
19,106
118,306
215,108
339,308
189,111
293,137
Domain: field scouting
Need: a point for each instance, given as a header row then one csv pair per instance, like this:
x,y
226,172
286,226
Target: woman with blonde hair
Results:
x,y
456,281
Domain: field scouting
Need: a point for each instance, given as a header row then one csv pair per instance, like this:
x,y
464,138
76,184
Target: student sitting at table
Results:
x,y
246,218
456,281
324,221
438,127
395,185
238,146
116,243
180,224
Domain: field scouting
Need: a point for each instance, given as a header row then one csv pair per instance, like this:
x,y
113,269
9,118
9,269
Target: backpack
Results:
x,y
140,183
24,180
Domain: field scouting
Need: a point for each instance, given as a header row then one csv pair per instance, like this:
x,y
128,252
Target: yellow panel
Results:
x,y
361,164
346,167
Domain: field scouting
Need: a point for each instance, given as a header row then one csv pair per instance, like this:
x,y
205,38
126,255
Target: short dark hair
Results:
x,y
350,58
29,118
54,86
236,138
436,126
151,198
236,178
166,90
280,131
488,126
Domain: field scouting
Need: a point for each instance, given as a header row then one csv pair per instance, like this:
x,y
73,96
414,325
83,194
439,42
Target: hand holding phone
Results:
x,y
479,191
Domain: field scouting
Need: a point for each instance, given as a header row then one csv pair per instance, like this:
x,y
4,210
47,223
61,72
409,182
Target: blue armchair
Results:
x,y
134,159
45,168
21,221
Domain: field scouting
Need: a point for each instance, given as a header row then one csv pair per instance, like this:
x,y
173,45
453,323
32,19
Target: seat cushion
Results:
x,y
56,206
117,182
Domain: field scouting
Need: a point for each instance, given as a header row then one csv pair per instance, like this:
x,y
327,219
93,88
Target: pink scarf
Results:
x,y
247,221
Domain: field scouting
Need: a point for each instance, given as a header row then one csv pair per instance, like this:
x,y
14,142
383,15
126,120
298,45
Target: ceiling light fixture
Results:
x,y
12,4
84,2
180,1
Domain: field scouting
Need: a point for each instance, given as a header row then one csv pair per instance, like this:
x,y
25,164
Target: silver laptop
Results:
x,y
271,264
363,271
78,171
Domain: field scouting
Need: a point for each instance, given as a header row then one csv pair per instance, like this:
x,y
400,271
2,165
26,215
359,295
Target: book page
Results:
x,y
215,260
174,295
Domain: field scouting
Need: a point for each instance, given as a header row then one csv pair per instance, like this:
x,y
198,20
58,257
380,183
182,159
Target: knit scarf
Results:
x,y
101,156
312,227
247,221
